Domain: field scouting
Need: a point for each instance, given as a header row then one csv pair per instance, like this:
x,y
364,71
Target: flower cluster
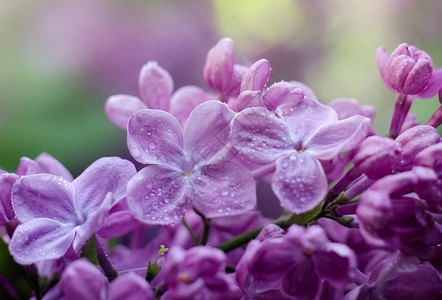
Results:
x,y
361,212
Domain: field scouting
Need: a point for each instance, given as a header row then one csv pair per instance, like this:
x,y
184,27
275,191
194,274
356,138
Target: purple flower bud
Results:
x,y
407,70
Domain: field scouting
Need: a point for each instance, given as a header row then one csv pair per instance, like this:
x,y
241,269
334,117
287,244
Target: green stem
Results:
x,y
195,240
206,229
244,238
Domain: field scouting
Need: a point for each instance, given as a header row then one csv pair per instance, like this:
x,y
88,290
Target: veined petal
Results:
x,y
40,239
259,135
157,195
48,164
223,189
155,137
93,222
156,86
45,196
335,137
206,134
301,281
106,175
304,117
119,108
299,182
185,99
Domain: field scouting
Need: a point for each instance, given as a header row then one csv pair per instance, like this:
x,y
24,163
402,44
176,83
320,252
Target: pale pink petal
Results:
x,y
119,108
303,118
156,86
45,196
259,135
157,195
206,134
223,189
155,137
185,99
335,137
49,164
299,182
40,239
105,175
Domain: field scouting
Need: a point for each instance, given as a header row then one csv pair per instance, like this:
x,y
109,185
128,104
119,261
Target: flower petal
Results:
x,y
185,99
382,62
223,189
335,137
433,86
44,196
105,175
156,86
119,108
40,239
301,281
155,137
130,287
282,92
299,182
206,134
83,281
304,117
7,181
259,135
48,164
157,195
257,76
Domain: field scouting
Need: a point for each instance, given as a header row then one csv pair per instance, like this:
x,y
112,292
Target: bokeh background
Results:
x,y
61,59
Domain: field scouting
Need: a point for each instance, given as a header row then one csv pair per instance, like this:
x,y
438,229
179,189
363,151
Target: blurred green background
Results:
x,y
60,59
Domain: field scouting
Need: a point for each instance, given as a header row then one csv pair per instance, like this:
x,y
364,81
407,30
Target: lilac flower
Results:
x,y
44,163
56,214
197,273
296,263
82,280
390,217
295,138
156,87
400,277
186,167
409,71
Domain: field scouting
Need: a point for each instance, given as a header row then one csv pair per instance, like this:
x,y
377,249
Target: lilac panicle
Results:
x,y
296,138
56,213
409,71
197,273
186,167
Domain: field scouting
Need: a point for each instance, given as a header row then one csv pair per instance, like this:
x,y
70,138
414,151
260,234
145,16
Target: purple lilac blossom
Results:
x,y
186,167
44,163
198,273
294,264
83,281
55,213
296,137
389,216
156,87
